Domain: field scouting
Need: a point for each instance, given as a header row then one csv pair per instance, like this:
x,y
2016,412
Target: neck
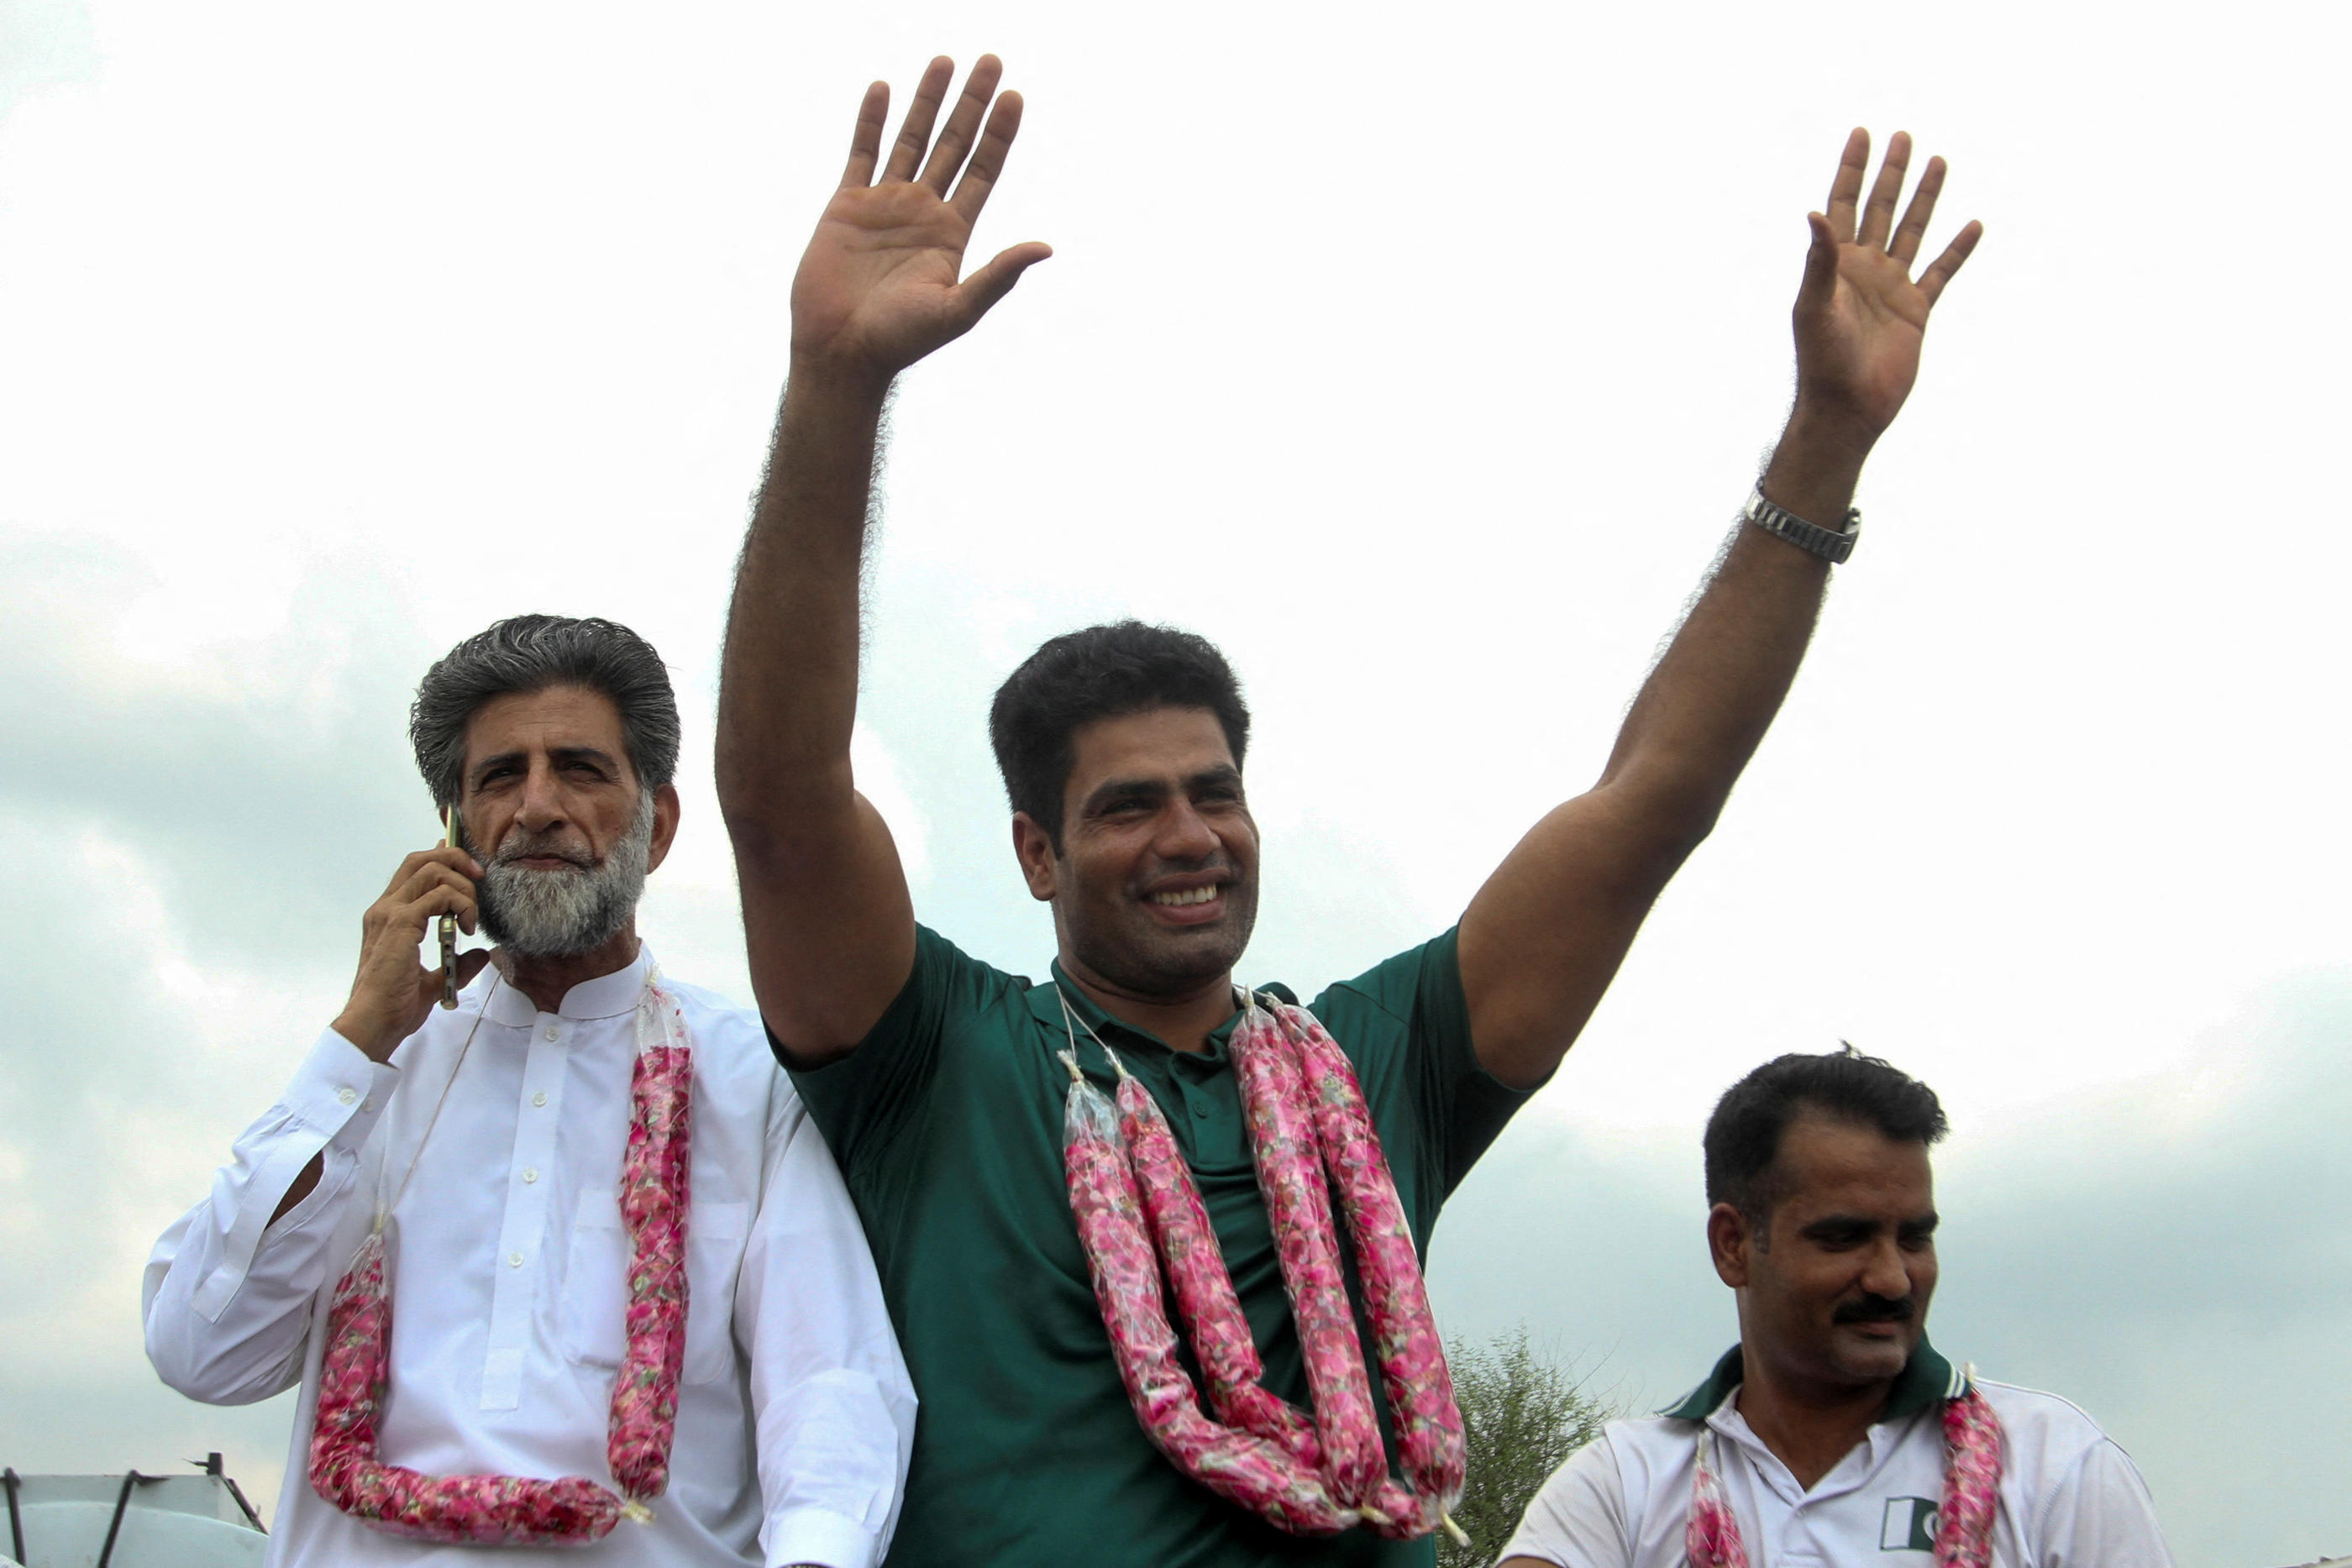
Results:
x,y
545,979
1809,1425
1185,1020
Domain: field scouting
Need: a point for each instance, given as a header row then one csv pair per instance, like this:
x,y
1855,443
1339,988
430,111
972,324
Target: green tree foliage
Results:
x,y
1523,1414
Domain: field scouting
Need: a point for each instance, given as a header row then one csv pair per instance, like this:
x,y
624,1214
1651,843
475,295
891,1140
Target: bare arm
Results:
x,y
826,916
1545,936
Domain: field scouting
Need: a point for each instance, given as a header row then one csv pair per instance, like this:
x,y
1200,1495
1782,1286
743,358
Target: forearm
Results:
x,y
228,1289
1706,705
788,683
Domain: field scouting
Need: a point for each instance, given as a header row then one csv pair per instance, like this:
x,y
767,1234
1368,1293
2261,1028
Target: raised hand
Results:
x,y
878,288
393,994
1859,315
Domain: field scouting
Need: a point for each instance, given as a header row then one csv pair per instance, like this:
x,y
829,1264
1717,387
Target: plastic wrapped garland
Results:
x,y
512,1511
1308,1120
1245,1468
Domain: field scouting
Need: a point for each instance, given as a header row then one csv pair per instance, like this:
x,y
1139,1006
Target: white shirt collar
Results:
x,y
606,996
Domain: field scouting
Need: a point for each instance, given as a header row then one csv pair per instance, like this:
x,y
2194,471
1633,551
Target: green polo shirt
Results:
x,y
947,1124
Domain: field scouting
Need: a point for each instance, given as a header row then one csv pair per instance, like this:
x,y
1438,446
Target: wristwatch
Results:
x,y
1830,544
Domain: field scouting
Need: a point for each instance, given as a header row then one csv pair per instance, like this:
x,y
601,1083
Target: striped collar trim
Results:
x,y
1925,1379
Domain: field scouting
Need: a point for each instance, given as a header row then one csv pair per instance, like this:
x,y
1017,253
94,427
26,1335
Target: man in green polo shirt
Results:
x,y
935,1078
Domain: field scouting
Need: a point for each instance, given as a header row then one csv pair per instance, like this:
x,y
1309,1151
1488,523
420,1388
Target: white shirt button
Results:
x,y
347,1095
514,1259
550,1033
529,1175
540,1098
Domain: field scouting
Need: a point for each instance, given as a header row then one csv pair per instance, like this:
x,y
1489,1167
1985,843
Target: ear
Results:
x,y
1728,1238
1034,847
666,810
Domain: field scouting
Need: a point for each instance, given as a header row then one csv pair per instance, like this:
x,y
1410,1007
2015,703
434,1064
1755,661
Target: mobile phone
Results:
x,y
450,925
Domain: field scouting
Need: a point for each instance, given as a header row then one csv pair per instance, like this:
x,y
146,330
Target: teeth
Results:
x,y
1196,896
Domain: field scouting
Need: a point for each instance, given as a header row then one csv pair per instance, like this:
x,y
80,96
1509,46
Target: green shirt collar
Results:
x,y
1045,1003
1924,1379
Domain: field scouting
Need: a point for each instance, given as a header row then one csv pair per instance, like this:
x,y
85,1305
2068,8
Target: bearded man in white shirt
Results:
x,y
1833,1433
522,1162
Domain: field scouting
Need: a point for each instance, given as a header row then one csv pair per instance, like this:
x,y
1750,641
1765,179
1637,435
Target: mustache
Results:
x,y
520,844
1871,1309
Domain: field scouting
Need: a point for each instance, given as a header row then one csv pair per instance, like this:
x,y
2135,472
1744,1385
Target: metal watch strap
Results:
x,y
1830,544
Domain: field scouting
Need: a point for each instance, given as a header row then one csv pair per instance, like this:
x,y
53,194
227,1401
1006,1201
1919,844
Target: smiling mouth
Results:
x,y
1190,896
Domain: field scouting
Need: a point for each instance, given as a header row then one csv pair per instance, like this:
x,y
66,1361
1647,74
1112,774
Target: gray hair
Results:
x,y
530,654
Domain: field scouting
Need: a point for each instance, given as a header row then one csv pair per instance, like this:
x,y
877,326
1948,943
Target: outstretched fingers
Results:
x,y
987,158
1932,281
866,142
1878,217
915,135
1913,227
956,140
1845,190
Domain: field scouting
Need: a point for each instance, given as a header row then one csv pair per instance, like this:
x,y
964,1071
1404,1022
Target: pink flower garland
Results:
x,y
1138,1211
1964,1517
511,1510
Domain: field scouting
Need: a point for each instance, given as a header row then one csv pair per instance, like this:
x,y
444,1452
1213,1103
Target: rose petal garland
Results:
x,y
1431,1445
1711,1536
1275,1054
1964,1516
1205,1301
656,1189
1964,1519
512,1511
1306,1244
1248,1470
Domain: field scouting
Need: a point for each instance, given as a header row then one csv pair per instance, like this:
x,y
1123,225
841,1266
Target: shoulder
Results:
x,y
721,1025
1650,1453
1393,986
1380,1010
2045,1433
731,1045
1580,1516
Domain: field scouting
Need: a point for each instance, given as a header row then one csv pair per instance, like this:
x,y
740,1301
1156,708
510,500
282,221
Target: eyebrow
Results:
x,y
1831,1226
560,753
1115,790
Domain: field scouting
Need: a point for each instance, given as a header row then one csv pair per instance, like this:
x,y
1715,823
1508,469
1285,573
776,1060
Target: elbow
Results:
x,y
762,805
216,1374
1661,821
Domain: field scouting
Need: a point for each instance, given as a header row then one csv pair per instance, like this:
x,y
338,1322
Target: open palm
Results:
x,y
1860,316
879,284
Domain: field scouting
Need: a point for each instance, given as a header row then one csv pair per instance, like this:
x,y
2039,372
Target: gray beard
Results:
x,y
556,913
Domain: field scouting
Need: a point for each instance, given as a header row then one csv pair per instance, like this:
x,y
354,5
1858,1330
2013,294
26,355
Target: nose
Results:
x,y
1887,1273
542,806
1185,834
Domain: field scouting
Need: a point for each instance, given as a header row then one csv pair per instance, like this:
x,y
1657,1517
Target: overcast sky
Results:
x,y
1420,358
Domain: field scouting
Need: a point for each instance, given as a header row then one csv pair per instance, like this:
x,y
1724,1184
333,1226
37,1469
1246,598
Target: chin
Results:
x,y
1873,1360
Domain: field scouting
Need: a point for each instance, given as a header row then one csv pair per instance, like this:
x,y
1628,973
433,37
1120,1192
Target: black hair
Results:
x,y
1743,1136
1101,672
530,653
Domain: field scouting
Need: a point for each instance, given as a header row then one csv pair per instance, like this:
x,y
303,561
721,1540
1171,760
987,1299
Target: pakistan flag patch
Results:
x,y
1909,1525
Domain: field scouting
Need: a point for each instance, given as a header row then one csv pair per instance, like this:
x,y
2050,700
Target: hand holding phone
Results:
x,y
393,992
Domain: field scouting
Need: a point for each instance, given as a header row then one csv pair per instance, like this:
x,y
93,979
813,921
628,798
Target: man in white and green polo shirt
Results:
x,y
1832,1433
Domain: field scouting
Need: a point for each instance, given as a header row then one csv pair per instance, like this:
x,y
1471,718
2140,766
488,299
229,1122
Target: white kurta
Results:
x,y
2069,1496
795,1416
